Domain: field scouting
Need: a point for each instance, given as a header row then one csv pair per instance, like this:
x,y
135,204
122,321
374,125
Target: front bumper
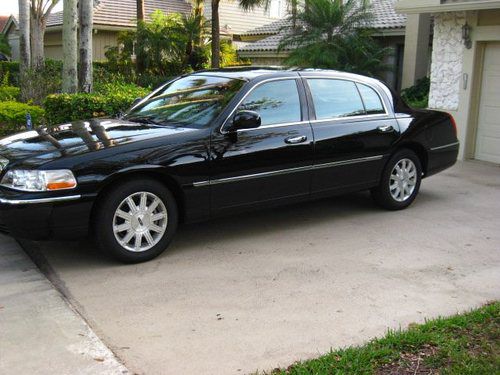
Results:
x,y
44,217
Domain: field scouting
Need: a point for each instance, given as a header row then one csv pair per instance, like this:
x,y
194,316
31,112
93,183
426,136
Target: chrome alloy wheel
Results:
x,y
403,180
140,221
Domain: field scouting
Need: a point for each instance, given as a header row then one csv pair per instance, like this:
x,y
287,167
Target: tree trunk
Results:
x,y
86,24
141,14
199,12
37,49
70,47
140,20
215,34
24,43
40,11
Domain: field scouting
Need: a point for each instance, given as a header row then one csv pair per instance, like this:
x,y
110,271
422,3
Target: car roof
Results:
x,y
259,73
246,73
249,73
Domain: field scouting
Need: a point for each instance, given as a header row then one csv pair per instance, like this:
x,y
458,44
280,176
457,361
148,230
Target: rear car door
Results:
x,y
268,163
354,131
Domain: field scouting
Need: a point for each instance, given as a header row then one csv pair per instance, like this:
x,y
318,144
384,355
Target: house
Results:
x,y
110,18
114,16
3,22
260,45
11,29
465,67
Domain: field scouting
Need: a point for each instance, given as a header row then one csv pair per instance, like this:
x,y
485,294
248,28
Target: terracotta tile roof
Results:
x,y
269,43
385,17
3,22
122,13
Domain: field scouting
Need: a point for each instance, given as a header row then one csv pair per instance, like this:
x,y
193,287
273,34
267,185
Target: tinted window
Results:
x,y
277,102
373,104
193,100
335,98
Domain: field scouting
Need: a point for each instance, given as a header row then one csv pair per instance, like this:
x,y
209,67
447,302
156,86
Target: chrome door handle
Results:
x,y
385,128
295,140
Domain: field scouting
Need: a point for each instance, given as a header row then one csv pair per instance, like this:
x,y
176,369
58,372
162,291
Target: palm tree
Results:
x,y
215,34
140,11
141,16
86,25
40,11
293,4
334,34
70,46
195,28
245,4
24,43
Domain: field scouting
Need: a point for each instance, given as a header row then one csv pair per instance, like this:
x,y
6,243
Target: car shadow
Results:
x,y
85,254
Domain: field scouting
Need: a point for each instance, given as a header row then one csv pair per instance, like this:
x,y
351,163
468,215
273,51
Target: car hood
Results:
x,y
79,137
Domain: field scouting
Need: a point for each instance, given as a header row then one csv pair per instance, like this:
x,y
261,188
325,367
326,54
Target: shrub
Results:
x,y
4,45
9,72
109,101
41,82
13,116
417,96
8,93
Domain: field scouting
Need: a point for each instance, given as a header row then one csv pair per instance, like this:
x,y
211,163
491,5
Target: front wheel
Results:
x,y
136,220
400,181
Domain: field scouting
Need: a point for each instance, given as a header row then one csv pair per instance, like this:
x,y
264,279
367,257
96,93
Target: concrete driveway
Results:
x,y
264,289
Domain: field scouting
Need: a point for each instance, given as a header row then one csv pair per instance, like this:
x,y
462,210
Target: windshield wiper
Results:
x,y
143,120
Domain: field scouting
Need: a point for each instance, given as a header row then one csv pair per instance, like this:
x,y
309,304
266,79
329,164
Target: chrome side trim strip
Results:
x,y
352,118
286,171
280,125
346,162
445,146
40,200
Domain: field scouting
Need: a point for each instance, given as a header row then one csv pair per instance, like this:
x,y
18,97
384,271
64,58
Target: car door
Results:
x,y
269,163
353,131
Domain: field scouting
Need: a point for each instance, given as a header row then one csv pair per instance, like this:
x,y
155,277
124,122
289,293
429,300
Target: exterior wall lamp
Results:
x,y
466,36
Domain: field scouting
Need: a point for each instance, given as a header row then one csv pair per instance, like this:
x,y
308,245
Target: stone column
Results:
x,y
416,54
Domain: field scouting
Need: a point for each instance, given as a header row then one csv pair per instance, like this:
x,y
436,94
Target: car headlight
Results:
x,y
33,180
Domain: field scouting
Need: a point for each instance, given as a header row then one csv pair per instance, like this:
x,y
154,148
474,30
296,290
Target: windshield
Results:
x,y
192,100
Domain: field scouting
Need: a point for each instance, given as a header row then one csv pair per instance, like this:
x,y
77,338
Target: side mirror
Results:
x,y
245,120
135,102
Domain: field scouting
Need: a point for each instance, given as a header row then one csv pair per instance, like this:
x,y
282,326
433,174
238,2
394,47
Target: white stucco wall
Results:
x,y
447,59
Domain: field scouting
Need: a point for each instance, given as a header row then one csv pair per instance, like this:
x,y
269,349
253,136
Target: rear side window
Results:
x,y
277,102
371,99
335,98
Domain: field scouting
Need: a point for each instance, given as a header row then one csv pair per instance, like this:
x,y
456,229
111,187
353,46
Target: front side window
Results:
x,y
277,102
335,98
190,101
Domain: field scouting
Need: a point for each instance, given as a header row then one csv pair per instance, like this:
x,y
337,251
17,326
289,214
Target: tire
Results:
x,y
405,183
154,220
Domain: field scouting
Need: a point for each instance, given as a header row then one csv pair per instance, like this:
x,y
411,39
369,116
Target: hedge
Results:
x,y
13,116
60,108
417,96
9,93
9,69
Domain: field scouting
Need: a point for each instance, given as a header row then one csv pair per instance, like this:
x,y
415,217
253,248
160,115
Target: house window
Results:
x,y
276,8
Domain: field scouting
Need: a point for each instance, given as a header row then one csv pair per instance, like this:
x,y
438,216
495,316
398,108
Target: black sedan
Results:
x,y
218,142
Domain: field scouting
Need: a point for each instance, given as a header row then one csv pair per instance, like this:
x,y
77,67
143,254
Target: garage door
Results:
x,y
488,132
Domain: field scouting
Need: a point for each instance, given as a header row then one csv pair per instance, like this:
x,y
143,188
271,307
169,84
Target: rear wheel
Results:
x,y
400,181
136,221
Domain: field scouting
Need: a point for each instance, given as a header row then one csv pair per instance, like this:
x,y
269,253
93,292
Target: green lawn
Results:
x,y
463,344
